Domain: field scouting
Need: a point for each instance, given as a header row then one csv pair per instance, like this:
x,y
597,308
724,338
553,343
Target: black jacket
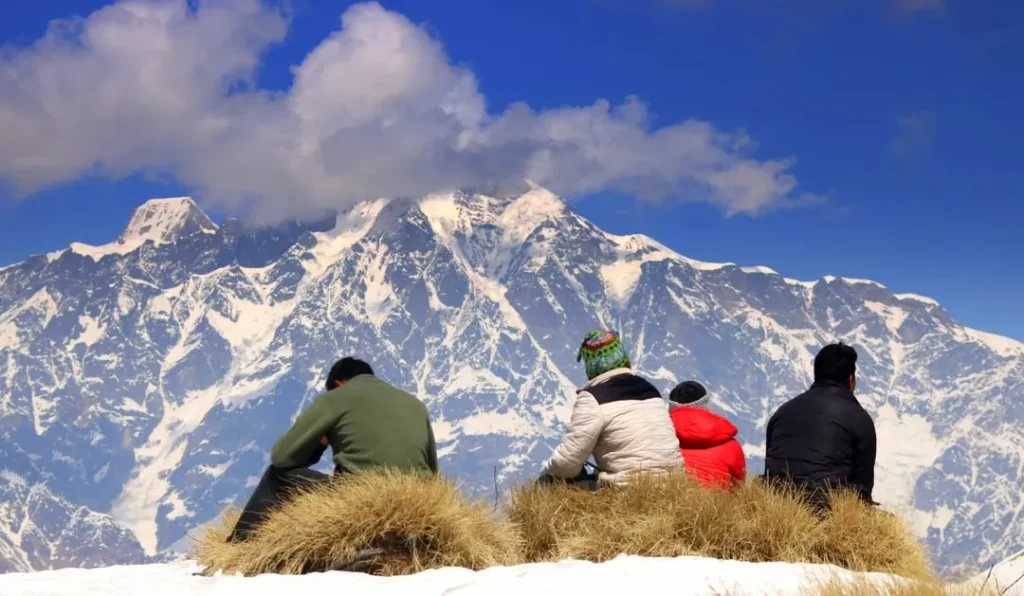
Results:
x,y
823,437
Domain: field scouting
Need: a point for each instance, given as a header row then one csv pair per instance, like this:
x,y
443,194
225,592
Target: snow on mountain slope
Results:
x,y
40,530
683,575
146,384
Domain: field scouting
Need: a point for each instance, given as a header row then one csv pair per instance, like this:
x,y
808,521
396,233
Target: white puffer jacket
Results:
x,y
621,419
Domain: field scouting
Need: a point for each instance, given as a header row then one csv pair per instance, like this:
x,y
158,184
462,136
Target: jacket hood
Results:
x,y
697,428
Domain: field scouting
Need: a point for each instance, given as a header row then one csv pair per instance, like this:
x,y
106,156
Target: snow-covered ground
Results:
x,y
1005,574
621,576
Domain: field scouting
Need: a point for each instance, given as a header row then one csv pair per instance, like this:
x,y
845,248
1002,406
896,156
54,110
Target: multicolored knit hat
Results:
x,y
602,351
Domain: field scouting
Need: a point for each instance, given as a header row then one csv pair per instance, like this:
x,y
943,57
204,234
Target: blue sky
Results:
x,y
902,117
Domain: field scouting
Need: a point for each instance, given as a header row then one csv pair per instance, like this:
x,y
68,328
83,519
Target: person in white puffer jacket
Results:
x,y
618,417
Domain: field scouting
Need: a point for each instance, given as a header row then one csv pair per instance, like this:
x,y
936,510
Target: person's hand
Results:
x,y
314,458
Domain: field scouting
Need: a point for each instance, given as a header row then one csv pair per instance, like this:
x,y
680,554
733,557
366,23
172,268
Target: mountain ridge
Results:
x,y
182,361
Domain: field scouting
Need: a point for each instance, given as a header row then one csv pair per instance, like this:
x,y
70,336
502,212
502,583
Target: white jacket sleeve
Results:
x,y
581,436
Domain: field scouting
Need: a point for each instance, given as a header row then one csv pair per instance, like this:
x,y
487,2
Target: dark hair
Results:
x,y
687,392
835,362
345,369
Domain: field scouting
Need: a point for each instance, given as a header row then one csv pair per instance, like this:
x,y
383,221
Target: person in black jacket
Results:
x,y
824,439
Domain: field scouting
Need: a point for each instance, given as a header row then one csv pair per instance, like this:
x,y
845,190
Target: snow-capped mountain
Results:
x,y
143,382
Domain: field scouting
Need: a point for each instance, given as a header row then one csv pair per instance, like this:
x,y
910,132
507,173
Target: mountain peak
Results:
x,y
165,220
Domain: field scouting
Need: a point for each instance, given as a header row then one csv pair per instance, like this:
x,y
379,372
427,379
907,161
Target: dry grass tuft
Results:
x,y
211,547
415,522
671,515
863,538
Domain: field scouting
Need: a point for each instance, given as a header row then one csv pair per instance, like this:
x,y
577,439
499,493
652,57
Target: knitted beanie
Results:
x,y
689,393
602,351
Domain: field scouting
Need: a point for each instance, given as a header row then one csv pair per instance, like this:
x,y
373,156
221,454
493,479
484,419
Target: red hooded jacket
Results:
x,y
708,443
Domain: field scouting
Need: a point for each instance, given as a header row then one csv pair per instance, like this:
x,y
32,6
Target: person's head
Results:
x,y
602,351
344,370
837,363
688,393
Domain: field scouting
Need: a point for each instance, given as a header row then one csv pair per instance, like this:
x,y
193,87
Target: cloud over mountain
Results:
x,y
376,109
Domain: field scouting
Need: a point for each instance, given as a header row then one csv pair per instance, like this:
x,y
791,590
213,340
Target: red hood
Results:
x,y
698,428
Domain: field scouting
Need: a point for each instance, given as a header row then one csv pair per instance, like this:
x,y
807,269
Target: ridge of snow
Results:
x,y
917,298
866,282
852,280
350,227
759,269
999,344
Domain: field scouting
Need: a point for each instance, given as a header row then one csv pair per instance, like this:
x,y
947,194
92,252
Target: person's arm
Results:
x,y
738,465
585,428
863,476
304,443
431,449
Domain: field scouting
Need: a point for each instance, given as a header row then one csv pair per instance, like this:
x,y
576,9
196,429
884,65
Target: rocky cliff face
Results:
x,y
143,382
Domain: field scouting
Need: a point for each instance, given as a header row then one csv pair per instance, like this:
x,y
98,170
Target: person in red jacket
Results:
x,y
707,441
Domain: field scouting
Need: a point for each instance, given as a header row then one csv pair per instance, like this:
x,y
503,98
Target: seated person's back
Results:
x,y
618,417
707,440
367,423
824,437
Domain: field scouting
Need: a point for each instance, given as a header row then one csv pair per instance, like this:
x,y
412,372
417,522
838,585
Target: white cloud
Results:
x,y
376,109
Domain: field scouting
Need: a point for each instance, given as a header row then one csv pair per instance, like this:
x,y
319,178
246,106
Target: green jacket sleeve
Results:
x,y
302,445
431,448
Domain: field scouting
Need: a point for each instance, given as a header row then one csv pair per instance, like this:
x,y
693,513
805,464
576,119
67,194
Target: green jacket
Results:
x,y
367,423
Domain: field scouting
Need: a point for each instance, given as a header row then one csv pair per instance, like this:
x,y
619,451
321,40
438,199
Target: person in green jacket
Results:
x,y
366,422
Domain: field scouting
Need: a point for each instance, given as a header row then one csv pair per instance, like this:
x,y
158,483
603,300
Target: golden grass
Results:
x,y
671,515
866,586
418,523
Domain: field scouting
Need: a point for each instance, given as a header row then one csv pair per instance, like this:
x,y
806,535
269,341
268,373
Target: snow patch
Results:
x,y
92,331
1003,346
215,471
621,575
474,380
379,296
917,298
906,448
759,269
9,335
137,506
892,316
350,228
178,507
526,213
493,423
254,325
161,221
621,278
97,253
13,478
866,282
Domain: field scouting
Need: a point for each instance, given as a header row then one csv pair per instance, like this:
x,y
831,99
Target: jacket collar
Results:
x,y
608,375
837,388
